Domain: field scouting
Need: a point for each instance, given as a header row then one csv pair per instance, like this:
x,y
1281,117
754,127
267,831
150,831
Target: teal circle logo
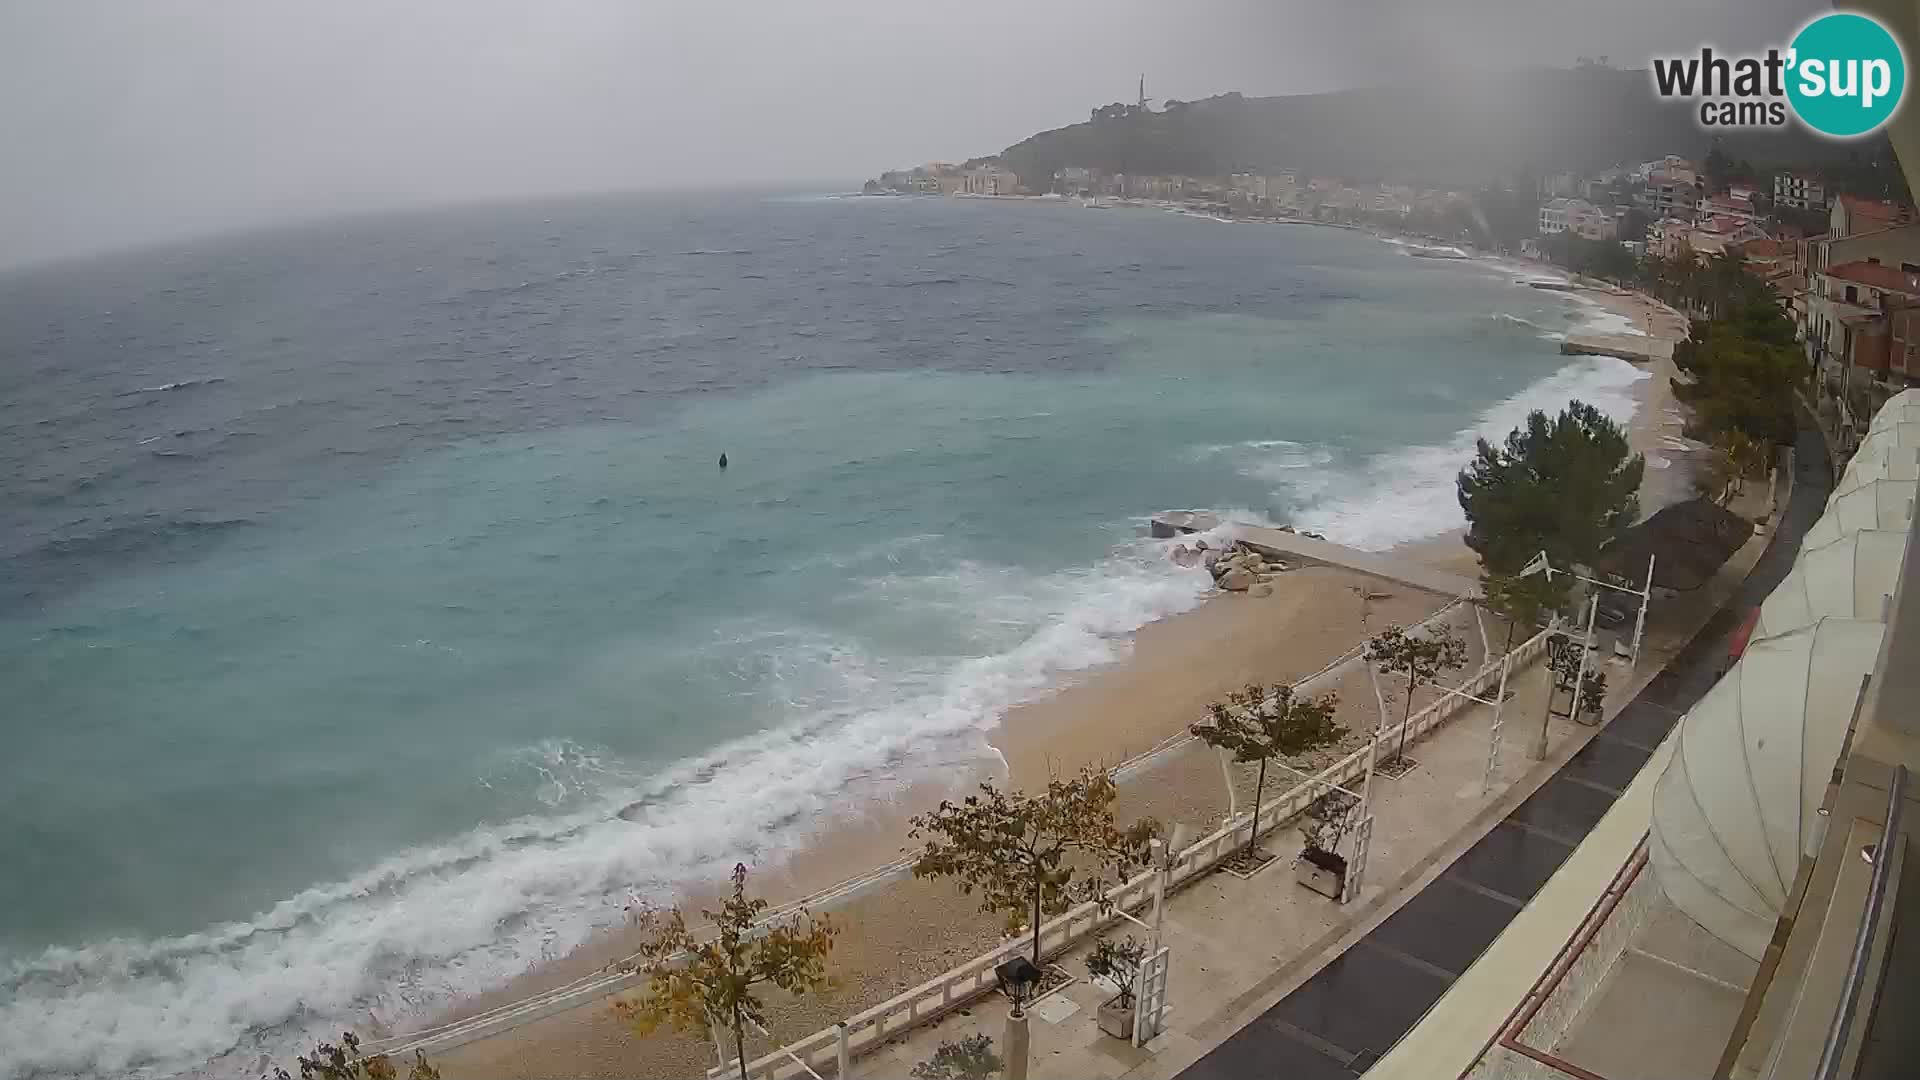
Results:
x,y
1847,75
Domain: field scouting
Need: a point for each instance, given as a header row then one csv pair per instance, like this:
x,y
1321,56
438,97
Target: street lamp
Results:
x,y
1018,978
1539,565
1019,981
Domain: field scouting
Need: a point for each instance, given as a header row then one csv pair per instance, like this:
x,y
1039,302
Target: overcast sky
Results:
x,y
123,122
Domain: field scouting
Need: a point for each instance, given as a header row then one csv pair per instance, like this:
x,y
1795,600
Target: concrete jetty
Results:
x,y
1294,548
1633,348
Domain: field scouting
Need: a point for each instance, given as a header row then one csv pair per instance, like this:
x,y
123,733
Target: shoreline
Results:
x,y
1167,673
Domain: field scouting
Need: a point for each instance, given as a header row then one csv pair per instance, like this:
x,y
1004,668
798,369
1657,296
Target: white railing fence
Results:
x,y
871,1028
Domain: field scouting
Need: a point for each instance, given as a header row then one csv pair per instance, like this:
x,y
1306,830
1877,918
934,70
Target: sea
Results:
x,y
376,620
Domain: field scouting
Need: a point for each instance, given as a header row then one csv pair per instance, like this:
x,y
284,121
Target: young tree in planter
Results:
x,y
1257,725
1014,848
1119,963
1421,659
342,1061
972,1058
694,984
1565,485
1563,659
1331,816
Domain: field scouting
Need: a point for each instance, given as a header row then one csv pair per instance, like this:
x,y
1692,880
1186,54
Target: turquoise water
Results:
x,y
377,616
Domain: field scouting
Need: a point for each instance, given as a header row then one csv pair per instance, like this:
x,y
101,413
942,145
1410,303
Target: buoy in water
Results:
x,y
723,461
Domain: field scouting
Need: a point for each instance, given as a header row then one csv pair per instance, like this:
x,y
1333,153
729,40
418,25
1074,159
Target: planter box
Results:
x,y
1117,1020
1322,871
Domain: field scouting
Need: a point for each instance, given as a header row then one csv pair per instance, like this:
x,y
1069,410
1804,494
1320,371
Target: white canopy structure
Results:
x,y
1850,578
1882,456
1876,504
1896,432
1901,408
1738,804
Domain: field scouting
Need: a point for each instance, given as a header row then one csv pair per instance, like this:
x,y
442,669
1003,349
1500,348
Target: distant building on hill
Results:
x,y
1799,191
990,179
1577,216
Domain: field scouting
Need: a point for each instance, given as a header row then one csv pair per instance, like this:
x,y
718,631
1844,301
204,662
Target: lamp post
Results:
x,y
1018,979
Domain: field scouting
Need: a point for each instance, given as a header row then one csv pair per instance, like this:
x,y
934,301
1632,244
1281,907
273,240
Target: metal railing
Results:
x,y
944,993
1840,1031
622,975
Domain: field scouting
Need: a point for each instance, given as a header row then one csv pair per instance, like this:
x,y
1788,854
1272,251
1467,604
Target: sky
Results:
x,y
128,122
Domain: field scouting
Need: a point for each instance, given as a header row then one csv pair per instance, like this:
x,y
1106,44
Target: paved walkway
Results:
x,y
1634,348
1235,939
1342,1019
1297,548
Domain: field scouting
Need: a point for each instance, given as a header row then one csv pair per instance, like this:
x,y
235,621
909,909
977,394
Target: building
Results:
x,y
1727,206
1857,299
1799,191
1670,191
1667,238
1852,216
1073,180
1590,222
1859,231
990,179
1553,216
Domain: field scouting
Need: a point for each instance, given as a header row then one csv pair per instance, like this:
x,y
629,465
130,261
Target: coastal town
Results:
x,y
1843,262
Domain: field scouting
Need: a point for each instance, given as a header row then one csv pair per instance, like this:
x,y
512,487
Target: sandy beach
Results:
x,y
903,932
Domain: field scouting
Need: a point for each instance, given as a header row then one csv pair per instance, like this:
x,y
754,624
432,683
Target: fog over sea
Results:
x,y
374,614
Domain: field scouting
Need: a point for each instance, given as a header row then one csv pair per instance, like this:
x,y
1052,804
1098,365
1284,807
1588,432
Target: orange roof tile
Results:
x,y
1877,275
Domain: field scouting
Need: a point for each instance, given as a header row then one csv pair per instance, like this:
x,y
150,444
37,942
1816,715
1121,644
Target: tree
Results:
x,y
1742,369
1420,658
1563,660
1331,817
972,1058
1565,485
1118,962
1522,600
695,984
342,1061
1013,848
1257,725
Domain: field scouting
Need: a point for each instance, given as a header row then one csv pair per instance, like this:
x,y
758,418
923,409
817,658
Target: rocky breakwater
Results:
x,y
1236,567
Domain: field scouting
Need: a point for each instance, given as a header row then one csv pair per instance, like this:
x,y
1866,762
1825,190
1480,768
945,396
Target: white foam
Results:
x,y
1299,467
428,925
1516,320
1409,494
1601,319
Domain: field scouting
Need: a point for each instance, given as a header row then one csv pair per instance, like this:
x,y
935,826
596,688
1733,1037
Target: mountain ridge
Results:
x,y
1462,131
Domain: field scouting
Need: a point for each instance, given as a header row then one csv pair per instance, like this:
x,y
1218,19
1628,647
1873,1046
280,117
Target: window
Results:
x,y
1853,295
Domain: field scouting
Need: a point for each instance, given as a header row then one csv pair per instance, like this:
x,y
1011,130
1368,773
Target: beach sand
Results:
x,y
903,932
907,931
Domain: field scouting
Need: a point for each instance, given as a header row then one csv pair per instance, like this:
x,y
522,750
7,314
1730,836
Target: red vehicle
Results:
x,y
1737,645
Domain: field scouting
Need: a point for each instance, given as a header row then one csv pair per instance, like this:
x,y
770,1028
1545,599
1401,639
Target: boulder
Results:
x,y
1260,589
1236,580
1185,556
1210,558
1256,565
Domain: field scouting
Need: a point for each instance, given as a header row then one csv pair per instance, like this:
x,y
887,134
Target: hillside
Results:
x,y
1458,133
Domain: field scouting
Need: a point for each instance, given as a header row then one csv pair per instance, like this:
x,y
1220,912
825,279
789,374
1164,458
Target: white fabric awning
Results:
x,y
1876,504
1737,805
1850,578
1901,408
1883,457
